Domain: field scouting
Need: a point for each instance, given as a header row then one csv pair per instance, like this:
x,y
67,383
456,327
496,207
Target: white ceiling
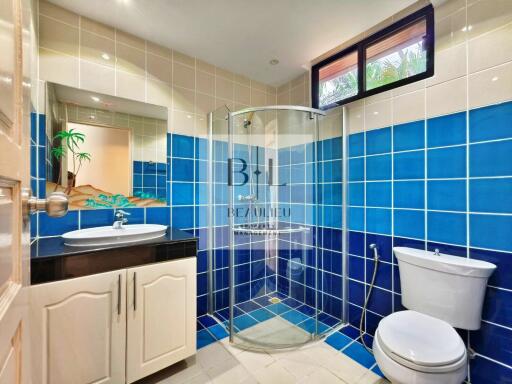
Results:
x,y
244,35
83,98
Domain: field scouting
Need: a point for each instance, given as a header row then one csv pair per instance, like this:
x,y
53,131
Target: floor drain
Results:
x,y
274,300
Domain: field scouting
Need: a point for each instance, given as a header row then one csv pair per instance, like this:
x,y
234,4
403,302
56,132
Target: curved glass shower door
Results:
x,y
274,281
272,158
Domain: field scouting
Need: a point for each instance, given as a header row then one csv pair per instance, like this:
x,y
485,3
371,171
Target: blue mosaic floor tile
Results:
x,y
307,310
338,340
350,331
199,326
262,314
244,322
263,301
358,353
377,370
278,308
204,338
218,331
206,321
328,319
310,326
222,314
248,306
292,302
368,339
294,317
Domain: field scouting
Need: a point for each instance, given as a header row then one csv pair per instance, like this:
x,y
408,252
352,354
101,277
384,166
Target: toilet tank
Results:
x,y
450,288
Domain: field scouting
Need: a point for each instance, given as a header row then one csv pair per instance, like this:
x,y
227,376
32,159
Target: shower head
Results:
x,y
248,120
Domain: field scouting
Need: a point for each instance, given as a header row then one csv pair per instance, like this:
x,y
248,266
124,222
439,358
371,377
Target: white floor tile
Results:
x,y
223,363
321,376
320,352
298,363
212,355
274,374
345,368
202,378
372,378
254,360
228,372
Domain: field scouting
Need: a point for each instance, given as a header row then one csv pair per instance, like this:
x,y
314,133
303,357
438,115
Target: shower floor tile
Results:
x,y
275,331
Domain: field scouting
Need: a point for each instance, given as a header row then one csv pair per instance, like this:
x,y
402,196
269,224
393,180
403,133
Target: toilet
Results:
x,y
441,292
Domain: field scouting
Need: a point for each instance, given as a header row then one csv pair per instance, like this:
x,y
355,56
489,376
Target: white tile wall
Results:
x,y
80,52
473,68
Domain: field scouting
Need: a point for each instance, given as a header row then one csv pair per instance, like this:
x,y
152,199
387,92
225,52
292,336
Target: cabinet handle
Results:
x,y
119,295
134,291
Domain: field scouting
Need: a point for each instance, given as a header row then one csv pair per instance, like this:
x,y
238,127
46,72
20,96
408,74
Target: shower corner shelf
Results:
x,y
269,231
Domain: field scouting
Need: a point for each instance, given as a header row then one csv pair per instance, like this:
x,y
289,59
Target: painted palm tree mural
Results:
x,y
69,142
67,146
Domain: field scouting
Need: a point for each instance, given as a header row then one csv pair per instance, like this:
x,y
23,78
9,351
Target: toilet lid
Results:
x,y
420,339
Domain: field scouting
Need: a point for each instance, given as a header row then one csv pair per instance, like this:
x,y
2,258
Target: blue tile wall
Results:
x,y
449,187
424,184
150,178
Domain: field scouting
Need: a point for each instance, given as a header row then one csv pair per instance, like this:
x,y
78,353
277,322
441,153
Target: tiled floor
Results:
x,y
339,358
220,362
250,313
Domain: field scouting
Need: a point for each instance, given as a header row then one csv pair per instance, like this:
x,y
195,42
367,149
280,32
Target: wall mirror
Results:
x,y
104,151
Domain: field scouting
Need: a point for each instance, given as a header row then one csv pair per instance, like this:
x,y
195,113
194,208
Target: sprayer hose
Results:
x,y
363,313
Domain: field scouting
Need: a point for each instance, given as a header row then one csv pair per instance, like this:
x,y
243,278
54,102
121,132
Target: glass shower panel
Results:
x,y
273,193
218,245
333,283
276,271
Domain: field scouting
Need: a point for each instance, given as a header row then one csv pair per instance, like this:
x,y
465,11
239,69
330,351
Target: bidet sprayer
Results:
x,y
375,250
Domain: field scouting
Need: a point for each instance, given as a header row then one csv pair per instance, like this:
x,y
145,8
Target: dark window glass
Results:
x,y
399,55
338,80
395,56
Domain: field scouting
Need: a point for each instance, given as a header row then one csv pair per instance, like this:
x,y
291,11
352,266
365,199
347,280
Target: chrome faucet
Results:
x,y
120,219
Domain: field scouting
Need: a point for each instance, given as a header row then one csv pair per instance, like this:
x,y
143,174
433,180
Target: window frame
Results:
x,y
426,13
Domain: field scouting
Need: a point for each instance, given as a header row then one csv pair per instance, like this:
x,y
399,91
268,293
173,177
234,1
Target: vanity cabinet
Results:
x,y
79,330
161,315
114,327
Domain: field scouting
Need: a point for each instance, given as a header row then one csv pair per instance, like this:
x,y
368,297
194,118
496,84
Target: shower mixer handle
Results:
x,y
247,198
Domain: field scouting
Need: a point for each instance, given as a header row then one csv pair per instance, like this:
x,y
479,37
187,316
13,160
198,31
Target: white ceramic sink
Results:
x,y
109,236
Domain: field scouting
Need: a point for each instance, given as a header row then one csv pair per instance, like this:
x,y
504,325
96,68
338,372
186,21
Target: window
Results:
x,y
338,80
399,54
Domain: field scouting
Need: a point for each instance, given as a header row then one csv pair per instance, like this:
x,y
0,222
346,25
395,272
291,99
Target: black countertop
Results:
x,y
55,247
52,260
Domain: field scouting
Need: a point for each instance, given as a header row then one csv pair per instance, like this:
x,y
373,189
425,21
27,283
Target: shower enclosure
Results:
x,y
271,195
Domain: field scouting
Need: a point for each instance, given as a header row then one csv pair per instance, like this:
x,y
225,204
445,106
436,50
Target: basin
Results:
x,y
98,236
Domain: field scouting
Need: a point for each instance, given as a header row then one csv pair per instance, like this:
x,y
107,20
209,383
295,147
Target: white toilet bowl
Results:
x,y
414,348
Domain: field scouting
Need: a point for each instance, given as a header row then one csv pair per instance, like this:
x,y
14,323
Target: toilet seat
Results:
x,y
421,342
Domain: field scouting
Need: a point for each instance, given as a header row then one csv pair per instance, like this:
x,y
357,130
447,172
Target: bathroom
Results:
x,y
256,192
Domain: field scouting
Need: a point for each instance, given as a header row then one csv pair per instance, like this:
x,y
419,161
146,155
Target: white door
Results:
x,y
15,45
161,326
78,332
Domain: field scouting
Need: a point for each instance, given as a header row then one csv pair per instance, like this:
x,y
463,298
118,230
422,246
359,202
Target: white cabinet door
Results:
x,y
79,330
161,301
